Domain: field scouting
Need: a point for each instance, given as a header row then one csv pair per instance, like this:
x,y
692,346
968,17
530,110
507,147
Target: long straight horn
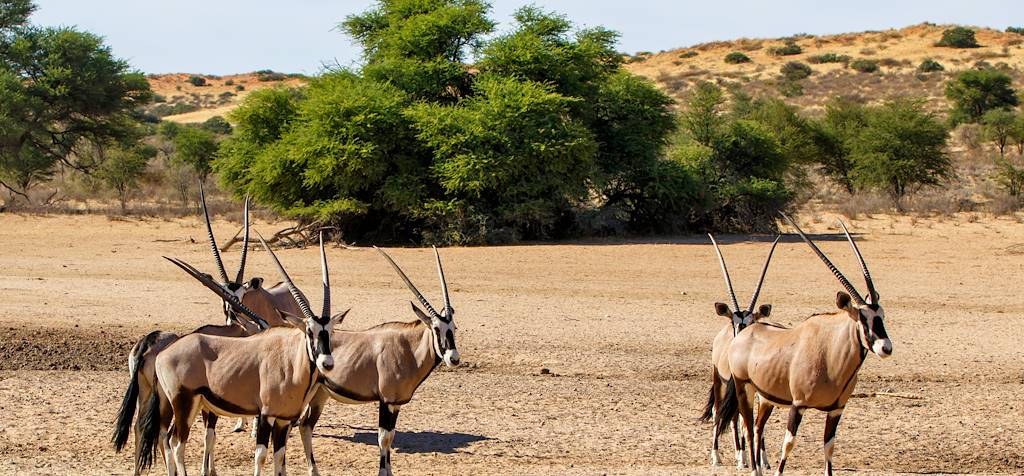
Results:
x,y
220,291
408,283
764,272
299,299
245,244
835,271
872,294
444,285
725,272
209,233
327,280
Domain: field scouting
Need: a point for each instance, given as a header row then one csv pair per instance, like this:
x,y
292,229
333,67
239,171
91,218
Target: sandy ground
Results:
x,y
625,329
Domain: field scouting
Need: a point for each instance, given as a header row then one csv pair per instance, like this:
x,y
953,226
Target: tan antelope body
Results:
x,y
721,373
384,365
812,365
270,375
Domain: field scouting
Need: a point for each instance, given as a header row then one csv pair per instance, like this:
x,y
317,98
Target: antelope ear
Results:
x,y
843,301
722,309
255,283
420,314
337,318
765,310
292,319
243,323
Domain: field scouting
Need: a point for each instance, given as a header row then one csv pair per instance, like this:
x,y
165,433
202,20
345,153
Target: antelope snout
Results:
x,y
882,348
325,362
451,358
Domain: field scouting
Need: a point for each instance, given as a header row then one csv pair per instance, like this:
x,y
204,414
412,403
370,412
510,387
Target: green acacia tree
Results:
x,y
833,134
999,125
62,90
511,151
900,149
121,169
739,162
409,143
975,92
419,46
195,147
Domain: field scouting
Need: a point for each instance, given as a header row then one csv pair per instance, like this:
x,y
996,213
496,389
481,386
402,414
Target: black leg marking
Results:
x,y
262,431
831,425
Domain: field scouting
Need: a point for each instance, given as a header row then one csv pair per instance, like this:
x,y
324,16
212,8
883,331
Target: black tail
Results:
x,y
729,409
123,423
709,408
150,432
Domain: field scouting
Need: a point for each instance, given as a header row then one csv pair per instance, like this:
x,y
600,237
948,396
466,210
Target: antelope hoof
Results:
x,y
741,460
715,460
239,427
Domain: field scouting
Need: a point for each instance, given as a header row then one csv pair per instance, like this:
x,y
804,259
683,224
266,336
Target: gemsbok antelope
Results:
x,y
271,375
385,364
814,364
141,370
720,373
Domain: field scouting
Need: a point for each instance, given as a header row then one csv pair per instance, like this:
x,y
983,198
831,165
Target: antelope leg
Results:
x,y
796,414
746,412
263,427
280,435
210,419
306,424
831,424
764,411
388,415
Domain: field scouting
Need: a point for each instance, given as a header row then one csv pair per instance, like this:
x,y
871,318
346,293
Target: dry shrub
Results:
x,y
749,45
984,55
970,135
863,204
1004,204
868,51
940,202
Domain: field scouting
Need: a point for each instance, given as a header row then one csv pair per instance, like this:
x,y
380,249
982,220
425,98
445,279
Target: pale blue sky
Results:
x,y
232,36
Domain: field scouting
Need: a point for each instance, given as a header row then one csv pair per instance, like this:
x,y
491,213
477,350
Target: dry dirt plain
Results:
x,y
625,329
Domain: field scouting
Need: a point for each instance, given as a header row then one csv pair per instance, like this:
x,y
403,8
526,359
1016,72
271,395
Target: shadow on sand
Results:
x,y
413,441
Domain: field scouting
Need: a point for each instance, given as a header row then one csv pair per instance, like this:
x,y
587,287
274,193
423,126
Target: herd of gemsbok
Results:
x,y
278,362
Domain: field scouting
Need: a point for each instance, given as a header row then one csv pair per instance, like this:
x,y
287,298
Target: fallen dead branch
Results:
x,y
298,236
887,394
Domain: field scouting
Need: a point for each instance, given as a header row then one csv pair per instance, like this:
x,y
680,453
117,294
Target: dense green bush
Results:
x,y
510,152
167,109
864,65
958,37
930,66
688,54
900,149
217,125
737,161
736,57
975,92
795,71
828,58
270,75
789,49
1015,29
197,80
